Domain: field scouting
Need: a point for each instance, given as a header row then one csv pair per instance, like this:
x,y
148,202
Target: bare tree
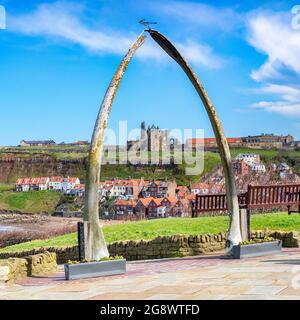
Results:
x,y
95,245
234,234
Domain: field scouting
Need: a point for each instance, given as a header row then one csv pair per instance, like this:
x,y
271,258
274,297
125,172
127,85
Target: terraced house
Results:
x,y
158,189
154,207
32,184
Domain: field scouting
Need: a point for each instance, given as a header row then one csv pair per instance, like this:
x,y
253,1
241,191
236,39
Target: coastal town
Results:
x,y
142,199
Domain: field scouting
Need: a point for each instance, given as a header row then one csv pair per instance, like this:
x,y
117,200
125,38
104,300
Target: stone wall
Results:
x,y
42,263
12,269
162,247
168,246
289,239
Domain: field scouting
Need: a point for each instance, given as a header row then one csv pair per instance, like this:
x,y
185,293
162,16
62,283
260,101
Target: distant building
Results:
x,y
268,141
80,143
206,143
37,143
152,139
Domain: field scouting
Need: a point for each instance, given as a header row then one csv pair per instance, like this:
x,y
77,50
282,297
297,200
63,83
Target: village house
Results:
x,y
182,192
124,207
141,207
55,183
249,158
200,188
32,184
43,183
158,189
78,190
153,206
128,188
69,183
258,167
240,167
37,143
182,208
23,184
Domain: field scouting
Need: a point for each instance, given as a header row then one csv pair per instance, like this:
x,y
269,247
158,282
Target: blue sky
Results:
x,y
57,58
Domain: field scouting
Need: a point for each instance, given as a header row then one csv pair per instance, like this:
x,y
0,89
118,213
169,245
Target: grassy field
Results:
x,y
6,187
173,226
33,202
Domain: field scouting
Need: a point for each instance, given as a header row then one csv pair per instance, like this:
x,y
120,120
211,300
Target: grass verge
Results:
x,y
163,227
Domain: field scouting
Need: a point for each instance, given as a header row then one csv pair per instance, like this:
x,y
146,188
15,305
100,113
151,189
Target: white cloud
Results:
x,y
272,34
282,107
63,21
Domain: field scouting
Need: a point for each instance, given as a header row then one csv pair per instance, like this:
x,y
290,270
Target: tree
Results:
x,y
95,245
234,234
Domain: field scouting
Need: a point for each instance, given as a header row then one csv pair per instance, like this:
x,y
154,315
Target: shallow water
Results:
x,y
7,228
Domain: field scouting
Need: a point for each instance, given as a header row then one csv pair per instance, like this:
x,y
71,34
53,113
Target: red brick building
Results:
x,y
240,167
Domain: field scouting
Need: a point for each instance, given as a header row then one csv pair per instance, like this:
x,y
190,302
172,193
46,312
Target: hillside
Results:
x,y
61,160
33,162
29,202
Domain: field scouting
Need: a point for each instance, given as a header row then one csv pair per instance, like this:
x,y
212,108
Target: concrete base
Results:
x,y
94,269
257,249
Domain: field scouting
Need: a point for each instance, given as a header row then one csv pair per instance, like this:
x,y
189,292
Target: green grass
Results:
x,y
6,187
162,227
33,202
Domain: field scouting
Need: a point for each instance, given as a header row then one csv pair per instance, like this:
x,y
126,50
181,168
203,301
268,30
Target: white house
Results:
x,y
258,167
32,184
55,183
283,167
249,158
70,183
119,188
43,183
23,184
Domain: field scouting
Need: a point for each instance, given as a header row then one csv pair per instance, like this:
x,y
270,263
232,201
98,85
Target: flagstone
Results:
x,y
194,278
266,290
290,291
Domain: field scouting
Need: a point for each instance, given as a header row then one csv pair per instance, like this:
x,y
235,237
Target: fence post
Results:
x,y
81,240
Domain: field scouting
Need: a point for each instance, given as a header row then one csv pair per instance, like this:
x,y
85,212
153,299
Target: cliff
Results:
x,y
13,167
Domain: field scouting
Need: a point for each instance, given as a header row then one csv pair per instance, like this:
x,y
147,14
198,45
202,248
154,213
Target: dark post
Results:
x,y
80,235
248,223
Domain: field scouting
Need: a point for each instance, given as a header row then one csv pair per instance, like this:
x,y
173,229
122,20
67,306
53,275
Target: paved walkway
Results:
x,y
206,277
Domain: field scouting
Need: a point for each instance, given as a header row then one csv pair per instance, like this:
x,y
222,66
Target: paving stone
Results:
x,y
266,290
194,278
